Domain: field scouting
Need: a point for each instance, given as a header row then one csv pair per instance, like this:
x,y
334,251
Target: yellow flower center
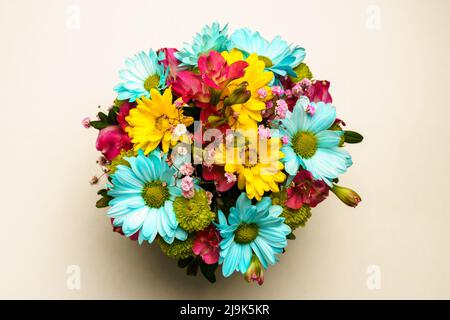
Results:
x,y
151,82
162,123
155,194
246,233
304,144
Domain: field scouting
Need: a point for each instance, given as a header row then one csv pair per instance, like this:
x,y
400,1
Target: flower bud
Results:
x,y
346,195
255,271
239,95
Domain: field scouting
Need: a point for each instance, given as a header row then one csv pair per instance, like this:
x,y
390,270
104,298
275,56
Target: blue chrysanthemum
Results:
x,y
210,38
143,198
251,229
143,72
311,145
279,56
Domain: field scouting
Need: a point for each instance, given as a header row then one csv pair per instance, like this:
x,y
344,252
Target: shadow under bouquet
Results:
x,y
218,151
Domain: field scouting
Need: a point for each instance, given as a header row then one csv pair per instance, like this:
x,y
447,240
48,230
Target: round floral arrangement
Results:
x,y
218,152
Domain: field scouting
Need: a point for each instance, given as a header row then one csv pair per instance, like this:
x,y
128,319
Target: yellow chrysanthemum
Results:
x,y
153,120
258,169
248,113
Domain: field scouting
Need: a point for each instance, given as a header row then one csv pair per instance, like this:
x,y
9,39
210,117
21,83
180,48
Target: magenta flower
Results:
x,y
206,245
306,190
111,140
318,92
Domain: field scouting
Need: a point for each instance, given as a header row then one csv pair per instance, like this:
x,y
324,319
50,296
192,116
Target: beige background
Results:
x,y
390,83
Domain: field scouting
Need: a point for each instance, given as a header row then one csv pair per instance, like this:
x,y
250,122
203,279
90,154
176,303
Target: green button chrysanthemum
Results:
x,y
193,214
120,160
177,249
294,218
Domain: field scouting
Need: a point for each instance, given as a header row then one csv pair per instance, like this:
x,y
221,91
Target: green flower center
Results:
x,y
304,144
151,82
155,194
246,233
266,61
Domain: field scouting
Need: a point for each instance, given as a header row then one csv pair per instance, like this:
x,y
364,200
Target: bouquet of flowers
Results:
x,y
218,151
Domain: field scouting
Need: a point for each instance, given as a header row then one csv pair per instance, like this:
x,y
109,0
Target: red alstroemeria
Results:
x,y
217,174
206,245
288,85
318,92
215,71
190,86
124,111
171,62
111,140
133,237
306,190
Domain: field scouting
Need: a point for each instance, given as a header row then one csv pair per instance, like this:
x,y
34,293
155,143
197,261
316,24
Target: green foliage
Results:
x,y
352,137
192,264
302,71
105,120
103,202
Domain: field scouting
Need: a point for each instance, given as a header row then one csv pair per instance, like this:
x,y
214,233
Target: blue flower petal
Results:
x,y
292,166
323,118
246,258
149,228
134,221
231,261
328,138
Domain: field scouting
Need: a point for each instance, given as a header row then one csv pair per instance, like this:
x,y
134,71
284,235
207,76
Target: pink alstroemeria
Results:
x,y
170,62
206,245
318,92
111,140
215,71
190,86
306,190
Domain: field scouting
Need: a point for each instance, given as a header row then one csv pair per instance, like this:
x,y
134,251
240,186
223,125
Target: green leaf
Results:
x,y
103,192
291,236
192,268
208,271
118,103
112,117
98,125
183,263
103,202
103,117
352,137
302,71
